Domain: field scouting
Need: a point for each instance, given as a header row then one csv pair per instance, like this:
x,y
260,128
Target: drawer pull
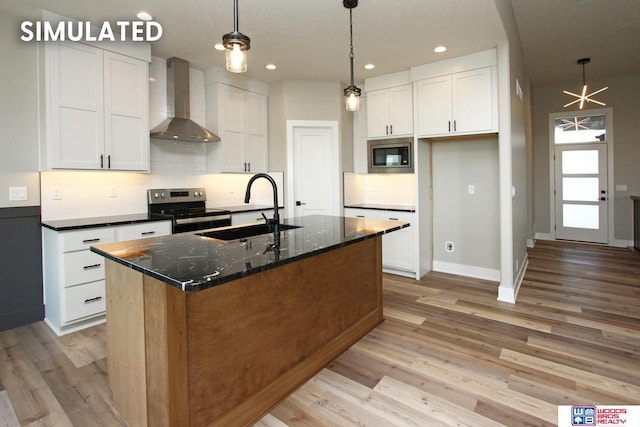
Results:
x,y
147,233
91,240
89,267
90,300
359,216
393,219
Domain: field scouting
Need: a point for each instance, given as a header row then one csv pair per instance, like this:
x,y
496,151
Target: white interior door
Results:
x,y
581,192
314,162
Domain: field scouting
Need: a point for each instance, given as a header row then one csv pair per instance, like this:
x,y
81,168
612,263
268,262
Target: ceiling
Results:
x,y
309,39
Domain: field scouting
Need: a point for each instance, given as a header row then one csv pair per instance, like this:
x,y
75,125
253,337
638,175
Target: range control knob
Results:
x,y
196,194
156,195
162,195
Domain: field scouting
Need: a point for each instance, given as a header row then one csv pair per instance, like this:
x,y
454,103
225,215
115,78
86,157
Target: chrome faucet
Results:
x,y
276,215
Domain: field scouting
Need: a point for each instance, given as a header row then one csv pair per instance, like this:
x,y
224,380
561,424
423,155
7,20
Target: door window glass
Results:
x,y
580,129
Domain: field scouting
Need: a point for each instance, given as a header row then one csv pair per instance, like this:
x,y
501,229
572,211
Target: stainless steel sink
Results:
x,y
244,231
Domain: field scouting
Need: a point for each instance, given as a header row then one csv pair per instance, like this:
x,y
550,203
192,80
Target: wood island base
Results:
x,y
228,354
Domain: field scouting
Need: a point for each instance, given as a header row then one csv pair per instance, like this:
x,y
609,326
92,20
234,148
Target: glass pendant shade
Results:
x,y
352,98
236,59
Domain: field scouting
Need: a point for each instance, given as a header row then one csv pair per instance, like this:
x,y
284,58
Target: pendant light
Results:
x,y
583,96
351,93
237,45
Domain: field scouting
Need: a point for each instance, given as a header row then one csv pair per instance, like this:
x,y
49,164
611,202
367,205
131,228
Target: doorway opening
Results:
x,y
582,175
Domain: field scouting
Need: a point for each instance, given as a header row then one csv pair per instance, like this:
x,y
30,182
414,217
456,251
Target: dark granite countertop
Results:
x,y
191,262
102,221
248,208
379,207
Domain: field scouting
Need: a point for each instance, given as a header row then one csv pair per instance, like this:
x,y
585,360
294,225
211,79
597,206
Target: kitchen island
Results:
x,y
208,332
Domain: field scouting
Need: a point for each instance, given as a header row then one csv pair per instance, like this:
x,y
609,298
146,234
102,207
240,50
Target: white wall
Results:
x,y
470,221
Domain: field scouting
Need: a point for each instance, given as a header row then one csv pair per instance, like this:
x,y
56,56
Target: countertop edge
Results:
x,y
381,208
102,223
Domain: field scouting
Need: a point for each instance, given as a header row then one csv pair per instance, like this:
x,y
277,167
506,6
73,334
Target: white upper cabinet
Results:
x,y
457,104
126,103
239,118
390,112
97,108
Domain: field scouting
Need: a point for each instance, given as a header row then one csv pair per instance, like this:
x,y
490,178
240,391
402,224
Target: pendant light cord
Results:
x,y
351,42
235,16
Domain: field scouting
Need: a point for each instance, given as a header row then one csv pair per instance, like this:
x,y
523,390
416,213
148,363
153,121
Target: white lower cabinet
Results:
x,y
74,289
397,246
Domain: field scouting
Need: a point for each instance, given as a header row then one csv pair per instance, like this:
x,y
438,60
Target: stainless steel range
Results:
x,y
187,206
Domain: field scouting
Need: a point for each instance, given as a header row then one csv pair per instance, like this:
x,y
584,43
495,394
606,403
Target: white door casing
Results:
x,y
313,168
573,192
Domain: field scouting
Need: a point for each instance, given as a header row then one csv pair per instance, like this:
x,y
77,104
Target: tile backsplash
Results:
x,y
83,194
385,189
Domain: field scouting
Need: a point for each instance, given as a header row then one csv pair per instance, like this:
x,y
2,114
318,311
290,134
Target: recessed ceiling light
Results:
x,y
440,49
271,66
219,46
369,67
145,16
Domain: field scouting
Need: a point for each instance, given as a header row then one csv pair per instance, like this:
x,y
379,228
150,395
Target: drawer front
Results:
x,y
82,267
83,301
144,230
83,239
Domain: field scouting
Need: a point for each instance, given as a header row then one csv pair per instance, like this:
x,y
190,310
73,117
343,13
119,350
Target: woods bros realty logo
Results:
x,y
137,31
592,415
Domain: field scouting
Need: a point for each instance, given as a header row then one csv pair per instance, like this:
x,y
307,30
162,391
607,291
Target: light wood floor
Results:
x,y
447,354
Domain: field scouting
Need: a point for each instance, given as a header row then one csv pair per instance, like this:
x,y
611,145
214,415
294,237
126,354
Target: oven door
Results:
x,y
183,225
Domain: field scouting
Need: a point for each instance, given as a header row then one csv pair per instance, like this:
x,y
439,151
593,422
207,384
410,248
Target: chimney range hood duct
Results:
x,y
179,127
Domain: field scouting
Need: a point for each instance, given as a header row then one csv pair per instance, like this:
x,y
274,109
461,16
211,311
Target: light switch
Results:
x,y
17,194
472,189
621,187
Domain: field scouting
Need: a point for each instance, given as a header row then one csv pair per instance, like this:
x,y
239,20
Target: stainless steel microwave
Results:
x,y
390,155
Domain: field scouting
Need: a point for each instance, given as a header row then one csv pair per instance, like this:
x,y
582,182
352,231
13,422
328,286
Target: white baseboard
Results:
x,y
467,270
531,243
545,236
506,294
404,273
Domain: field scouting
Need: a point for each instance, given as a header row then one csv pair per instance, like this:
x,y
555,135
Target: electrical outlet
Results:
x,y
472,189
448,246
56,193
17,194
112,192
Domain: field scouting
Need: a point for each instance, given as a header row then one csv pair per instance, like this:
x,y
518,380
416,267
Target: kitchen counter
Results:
x,y
247,208
226,355
102,221
382,207
191,262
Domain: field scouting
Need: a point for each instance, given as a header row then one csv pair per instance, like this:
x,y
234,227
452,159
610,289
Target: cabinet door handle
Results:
x,y
101,161
390,129
109,161
245,166
449,125
90,300
249,165
393,219
386,129
90,267
91,240
147,233
454,126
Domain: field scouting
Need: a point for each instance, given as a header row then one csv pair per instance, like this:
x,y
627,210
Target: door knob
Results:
x,y
299,203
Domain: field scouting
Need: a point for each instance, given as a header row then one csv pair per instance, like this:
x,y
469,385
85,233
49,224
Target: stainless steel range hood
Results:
x,y
179,126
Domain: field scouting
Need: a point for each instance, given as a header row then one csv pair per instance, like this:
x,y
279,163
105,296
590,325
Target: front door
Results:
x,y
581,147
581,192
